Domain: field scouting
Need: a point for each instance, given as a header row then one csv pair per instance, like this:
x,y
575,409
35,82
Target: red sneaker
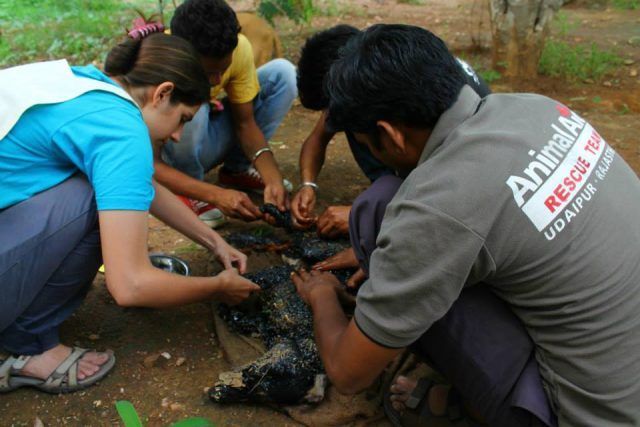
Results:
x,y
247,180
207,212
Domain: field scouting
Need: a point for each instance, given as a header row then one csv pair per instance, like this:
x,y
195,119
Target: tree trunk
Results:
x,y
519,29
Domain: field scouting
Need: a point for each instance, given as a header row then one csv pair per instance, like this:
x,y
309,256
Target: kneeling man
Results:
x,y
508,257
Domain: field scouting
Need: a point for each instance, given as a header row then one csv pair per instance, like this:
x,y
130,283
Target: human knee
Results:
x,y
283,74
364,216
380,192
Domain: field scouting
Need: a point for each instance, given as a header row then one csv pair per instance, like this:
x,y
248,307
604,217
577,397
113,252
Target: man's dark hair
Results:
x,y
210,25
397,73
318,53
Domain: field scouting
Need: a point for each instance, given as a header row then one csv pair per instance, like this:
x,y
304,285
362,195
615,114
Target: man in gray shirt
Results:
x,y
512,196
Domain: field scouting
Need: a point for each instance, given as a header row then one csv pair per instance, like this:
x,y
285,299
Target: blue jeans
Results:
x,y
49,254
209,139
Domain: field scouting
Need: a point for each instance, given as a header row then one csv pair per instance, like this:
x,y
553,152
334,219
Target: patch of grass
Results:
x,y
337,8
414,2
188,249
581,62
80,30
298,11
130,417
328,8
562,23
626,4
489,75
624,109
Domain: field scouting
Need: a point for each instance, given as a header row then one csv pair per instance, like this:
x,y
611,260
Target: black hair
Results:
x,y
210,25
159,58
318,53
397,73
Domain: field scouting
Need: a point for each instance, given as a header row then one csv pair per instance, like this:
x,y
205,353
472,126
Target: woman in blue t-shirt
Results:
x,y
76,186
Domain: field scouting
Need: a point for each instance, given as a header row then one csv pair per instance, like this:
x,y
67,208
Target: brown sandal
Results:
x,y
62,380
417,412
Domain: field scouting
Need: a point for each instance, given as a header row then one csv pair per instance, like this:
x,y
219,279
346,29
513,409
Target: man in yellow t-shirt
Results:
x,y
233,130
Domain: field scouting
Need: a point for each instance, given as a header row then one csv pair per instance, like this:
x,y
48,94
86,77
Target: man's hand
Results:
x,y
343,260
234,288
237,204
302,206
340,261
277,195
356,279
334,221
314,284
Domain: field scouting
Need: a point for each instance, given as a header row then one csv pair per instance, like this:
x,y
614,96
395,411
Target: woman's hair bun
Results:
x,y
122,58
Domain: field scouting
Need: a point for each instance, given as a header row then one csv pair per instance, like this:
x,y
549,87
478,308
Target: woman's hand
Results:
x,y
234,288
228,255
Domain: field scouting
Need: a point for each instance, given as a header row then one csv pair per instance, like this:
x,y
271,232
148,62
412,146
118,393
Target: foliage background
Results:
x,y
83,31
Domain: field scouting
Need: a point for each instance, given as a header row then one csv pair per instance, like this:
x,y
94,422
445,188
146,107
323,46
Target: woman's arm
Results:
x,y
133,281
170,210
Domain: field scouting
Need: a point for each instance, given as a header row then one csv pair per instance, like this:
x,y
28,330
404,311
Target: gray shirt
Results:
x,y
518,192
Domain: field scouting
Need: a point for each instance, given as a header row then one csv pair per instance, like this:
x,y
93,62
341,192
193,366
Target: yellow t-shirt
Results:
x,y
240,81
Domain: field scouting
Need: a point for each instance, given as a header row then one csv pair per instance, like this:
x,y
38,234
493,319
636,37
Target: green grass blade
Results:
x,y
194,422
128,414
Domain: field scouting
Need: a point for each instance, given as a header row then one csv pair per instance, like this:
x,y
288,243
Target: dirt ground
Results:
x,y
168,390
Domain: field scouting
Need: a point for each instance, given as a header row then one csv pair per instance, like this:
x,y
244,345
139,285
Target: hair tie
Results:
x,y
142,29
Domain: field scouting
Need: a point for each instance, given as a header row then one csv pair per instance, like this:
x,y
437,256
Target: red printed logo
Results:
x,y
563,110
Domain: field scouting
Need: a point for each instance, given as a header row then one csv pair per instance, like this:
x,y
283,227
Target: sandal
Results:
x,y
417,412
63,379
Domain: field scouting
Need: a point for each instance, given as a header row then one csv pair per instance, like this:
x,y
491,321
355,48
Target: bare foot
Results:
x,y
42,365
401,391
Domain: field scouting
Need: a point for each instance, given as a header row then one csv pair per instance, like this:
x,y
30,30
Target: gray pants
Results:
x,y
49,254
480,346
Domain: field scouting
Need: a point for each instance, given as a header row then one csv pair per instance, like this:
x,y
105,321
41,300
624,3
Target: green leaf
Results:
x,y
128,414
194,422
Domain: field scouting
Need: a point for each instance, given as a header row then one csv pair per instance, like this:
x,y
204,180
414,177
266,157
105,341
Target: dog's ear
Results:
x,y
262,36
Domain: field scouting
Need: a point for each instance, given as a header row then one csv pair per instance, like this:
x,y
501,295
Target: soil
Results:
x,y
169,390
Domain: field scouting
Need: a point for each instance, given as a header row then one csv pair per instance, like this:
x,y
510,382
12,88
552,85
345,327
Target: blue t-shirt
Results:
x,y
98,133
